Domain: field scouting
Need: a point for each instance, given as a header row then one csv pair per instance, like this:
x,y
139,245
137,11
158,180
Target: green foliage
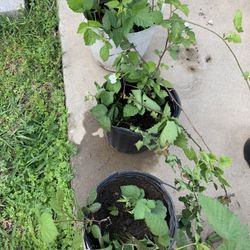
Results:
x,y
226,224
116,18
152,211
35,152
233,37
47,228
238,21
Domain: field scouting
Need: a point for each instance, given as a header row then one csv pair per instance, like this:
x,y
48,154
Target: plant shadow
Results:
x,y
96,159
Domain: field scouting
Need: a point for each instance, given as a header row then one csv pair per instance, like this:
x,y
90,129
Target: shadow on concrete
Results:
x,y
96,159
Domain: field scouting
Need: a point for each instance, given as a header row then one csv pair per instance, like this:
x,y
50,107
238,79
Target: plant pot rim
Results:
x,y
158,182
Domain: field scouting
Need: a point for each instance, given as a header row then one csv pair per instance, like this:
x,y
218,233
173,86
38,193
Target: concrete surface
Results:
x,y
11,6
213,93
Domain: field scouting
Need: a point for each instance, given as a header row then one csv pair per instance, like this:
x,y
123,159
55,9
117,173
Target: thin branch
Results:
x,y
189,120
227,45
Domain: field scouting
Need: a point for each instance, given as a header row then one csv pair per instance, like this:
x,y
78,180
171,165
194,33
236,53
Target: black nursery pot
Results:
x,y
142,180
123,139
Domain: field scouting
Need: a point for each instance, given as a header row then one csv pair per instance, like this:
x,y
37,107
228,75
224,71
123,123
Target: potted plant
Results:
x,y
133,102
130,210
110,25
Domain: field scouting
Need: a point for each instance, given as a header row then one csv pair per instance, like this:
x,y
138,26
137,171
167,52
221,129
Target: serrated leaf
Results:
x,y
47,228
91,197
112,4
224,222
156,224
90,37
167,110
131,192
181,141
151,104
156,128
95,207
191,154
57,202
107,97
96,232
130,110
82,27
104,51
233,37
80,5
169,133
238,20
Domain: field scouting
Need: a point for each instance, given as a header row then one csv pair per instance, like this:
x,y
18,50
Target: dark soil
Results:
x,y
123,225
145,121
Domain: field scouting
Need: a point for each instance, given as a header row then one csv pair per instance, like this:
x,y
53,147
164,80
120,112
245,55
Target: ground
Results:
x,y
211,88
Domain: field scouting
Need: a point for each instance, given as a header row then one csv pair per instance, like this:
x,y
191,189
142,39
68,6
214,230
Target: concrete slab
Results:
x,y
10,7
212,92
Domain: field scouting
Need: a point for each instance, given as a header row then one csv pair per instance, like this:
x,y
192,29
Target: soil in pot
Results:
x,y
145,121
123,225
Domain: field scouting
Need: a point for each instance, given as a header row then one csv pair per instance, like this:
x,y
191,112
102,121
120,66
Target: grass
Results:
x,y
34,150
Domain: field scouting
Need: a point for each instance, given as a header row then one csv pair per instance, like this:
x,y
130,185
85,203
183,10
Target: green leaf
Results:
x,y
190,153
167,110
92,197
132,192
112,4
233,37
246,75
96,232
82,27
181,141
90,37
164,240
104,51
130,110
169,133
107,97
181,238
47,228
100,112
150,66
157,127
229,245
95,207
137,93
140,209
149,103
117,36
178,5
139,145
224,222
159,209
80,5
238,20
114,87
156,224
225,161
94,24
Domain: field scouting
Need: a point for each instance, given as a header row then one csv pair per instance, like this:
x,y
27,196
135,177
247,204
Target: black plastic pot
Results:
x,y
131,178
123,139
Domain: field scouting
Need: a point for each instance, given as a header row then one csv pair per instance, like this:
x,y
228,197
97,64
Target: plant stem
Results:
x,y
189,245
166,44
227,45
189,120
